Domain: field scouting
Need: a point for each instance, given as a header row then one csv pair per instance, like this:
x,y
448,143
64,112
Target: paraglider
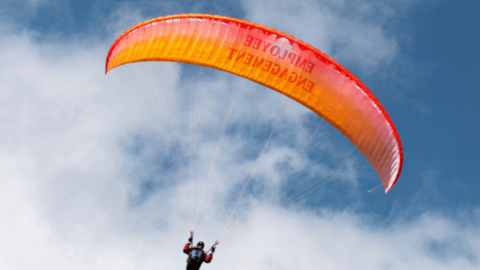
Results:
x,y
277,61
196,255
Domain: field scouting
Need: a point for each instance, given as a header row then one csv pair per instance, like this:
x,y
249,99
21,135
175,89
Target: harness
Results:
x,y
195,258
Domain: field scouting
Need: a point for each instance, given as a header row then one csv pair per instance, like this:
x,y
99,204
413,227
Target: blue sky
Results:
x,y
85,172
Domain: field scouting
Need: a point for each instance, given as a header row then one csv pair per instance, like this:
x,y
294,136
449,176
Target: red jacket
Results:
x,y
187,249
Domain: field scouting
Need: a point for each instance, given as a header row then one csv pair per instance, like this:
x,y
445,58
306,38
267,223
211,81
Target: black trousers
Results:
x,y
193,266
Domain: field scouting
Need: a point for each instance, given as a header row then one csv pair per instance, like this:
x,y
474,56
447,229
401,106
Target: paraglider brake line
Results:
x,y
214,245
191,237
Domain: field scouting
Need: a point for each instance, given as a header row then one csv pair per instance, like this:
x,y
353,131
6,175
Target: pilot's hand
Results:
x,y
190,239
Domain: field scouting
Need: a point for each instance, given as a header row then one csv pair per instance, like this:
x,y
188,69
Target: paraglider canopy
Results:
x,y
277,61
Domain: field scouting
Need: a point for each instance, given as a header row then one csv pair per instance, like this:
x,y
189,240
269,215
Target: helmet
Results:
x,y
201,244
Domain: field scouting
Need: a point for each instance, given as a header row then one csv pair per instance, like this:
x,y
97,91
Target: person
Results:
x,y
196,255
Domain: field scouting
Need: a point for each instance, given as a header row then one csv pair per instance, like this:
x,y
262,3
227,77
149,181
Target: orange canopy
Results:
x,y
277,61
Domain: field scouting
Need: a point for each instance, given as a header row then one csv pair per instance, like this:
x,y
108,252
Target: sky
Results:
x,y
86,174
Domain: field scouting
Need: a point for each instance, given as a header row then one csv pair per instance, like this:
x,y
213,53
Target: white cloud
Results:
x,y
71,168
350,32
367,37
